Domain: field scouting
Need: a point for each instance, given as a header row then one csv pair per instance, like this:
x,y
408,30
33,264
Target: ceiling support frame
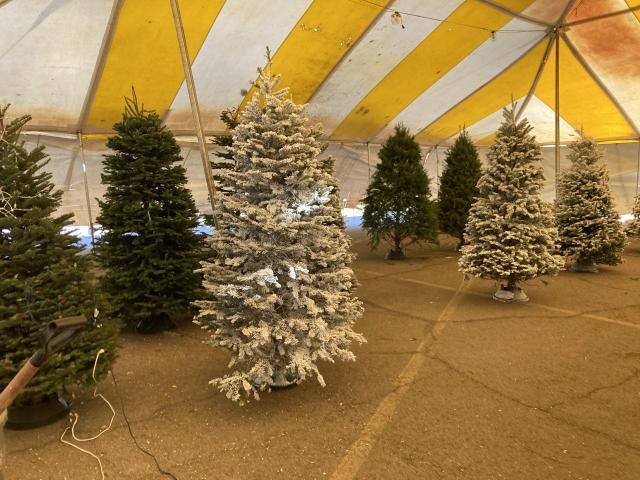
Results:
x,y
602,86
536,79
602,17
86,189
100,63
480,87
195,109
557,112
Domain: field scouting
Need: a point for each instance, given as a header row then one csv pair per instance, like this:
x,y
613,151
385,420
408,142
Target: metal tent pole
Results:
x,y
86,189
437,170
369,163
638,171
557,122
195,108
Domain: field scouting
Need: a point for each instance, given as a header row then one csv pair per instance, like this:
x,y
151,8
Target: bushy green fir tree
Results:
x,y
397,207
224,141
510,235
148,246
42,275
589,226
462,170
280,287
633,225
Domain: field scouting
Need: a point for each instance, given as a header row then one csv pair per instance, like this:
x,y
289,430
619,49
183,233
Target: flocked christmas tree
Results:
x,y
397,207
42,277
278,277
633,226
588,224
148,248
510,235
462,170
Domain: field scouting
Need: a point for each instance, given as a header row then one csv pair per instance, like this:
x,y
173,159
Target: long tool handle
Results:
x,y
16,385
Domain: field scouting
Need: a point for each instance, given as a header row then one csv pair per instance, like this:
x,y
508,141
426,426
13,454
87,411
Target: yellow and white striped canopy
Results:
x,y
436,65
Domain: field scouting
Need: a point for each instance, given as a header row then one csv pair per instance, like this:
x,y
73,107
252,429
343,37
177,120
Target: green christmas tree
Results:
x,y
633,225
148,248
590,231
225,156
458,181
42,277
510,235
397,207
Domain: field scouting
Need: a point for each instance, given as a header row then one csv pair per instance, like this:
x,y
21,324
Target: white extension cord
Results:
x,y
76,417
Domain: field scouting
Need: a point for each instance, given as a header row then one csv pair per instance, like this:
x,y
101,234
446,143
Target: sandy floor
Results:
x,y
451,385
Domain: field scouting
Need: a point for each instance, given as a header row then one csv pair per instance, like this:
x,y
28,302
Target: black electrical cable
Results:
x,y
441,20
132,435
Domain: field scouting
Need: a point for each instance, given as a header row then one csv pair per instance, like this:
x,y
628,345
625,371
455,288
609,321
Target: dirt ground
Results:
x,y
451,385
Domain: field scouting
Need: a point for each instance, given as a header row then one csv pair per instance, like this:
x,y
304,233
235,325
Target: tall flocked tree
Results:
x,y
148,248
462,170
279,282
510,235
397,207
590,231
42,277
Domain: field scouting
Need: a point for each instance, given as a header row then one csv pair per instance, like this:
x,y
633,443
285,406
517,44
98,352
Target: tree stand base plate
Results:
x,y
583,268
508,295
283,382
394,255
25,417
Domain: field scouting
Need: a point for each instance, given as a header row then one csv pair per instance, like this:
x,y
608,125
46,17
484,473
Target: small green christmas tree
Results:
x,y
590,231
397,207
633,225
224,142
42,277
510,235
458,181
148,248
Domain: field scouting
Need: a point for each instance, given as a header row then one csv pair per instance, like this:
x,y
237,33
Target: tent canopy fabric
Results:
x,y
361,65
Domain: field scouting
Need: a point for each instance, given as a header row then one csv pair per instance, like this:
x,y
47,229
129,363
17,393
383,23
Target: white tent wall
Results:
x,y
353,168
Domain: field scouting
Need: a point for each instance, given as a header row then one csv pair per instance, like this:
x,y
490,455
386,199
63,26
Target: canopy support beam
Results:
x,y
195,108
602,86
513,13
602,17
557,111
100,62
86,189
638,171
536,80
72,164
480,87
557,31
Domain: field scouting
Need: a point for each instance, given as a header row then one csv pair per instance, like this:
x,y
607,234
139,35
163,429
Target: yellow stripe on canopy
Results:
x,y
144,54
324,34
632,4
486,141
583,104
438,53
514,82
